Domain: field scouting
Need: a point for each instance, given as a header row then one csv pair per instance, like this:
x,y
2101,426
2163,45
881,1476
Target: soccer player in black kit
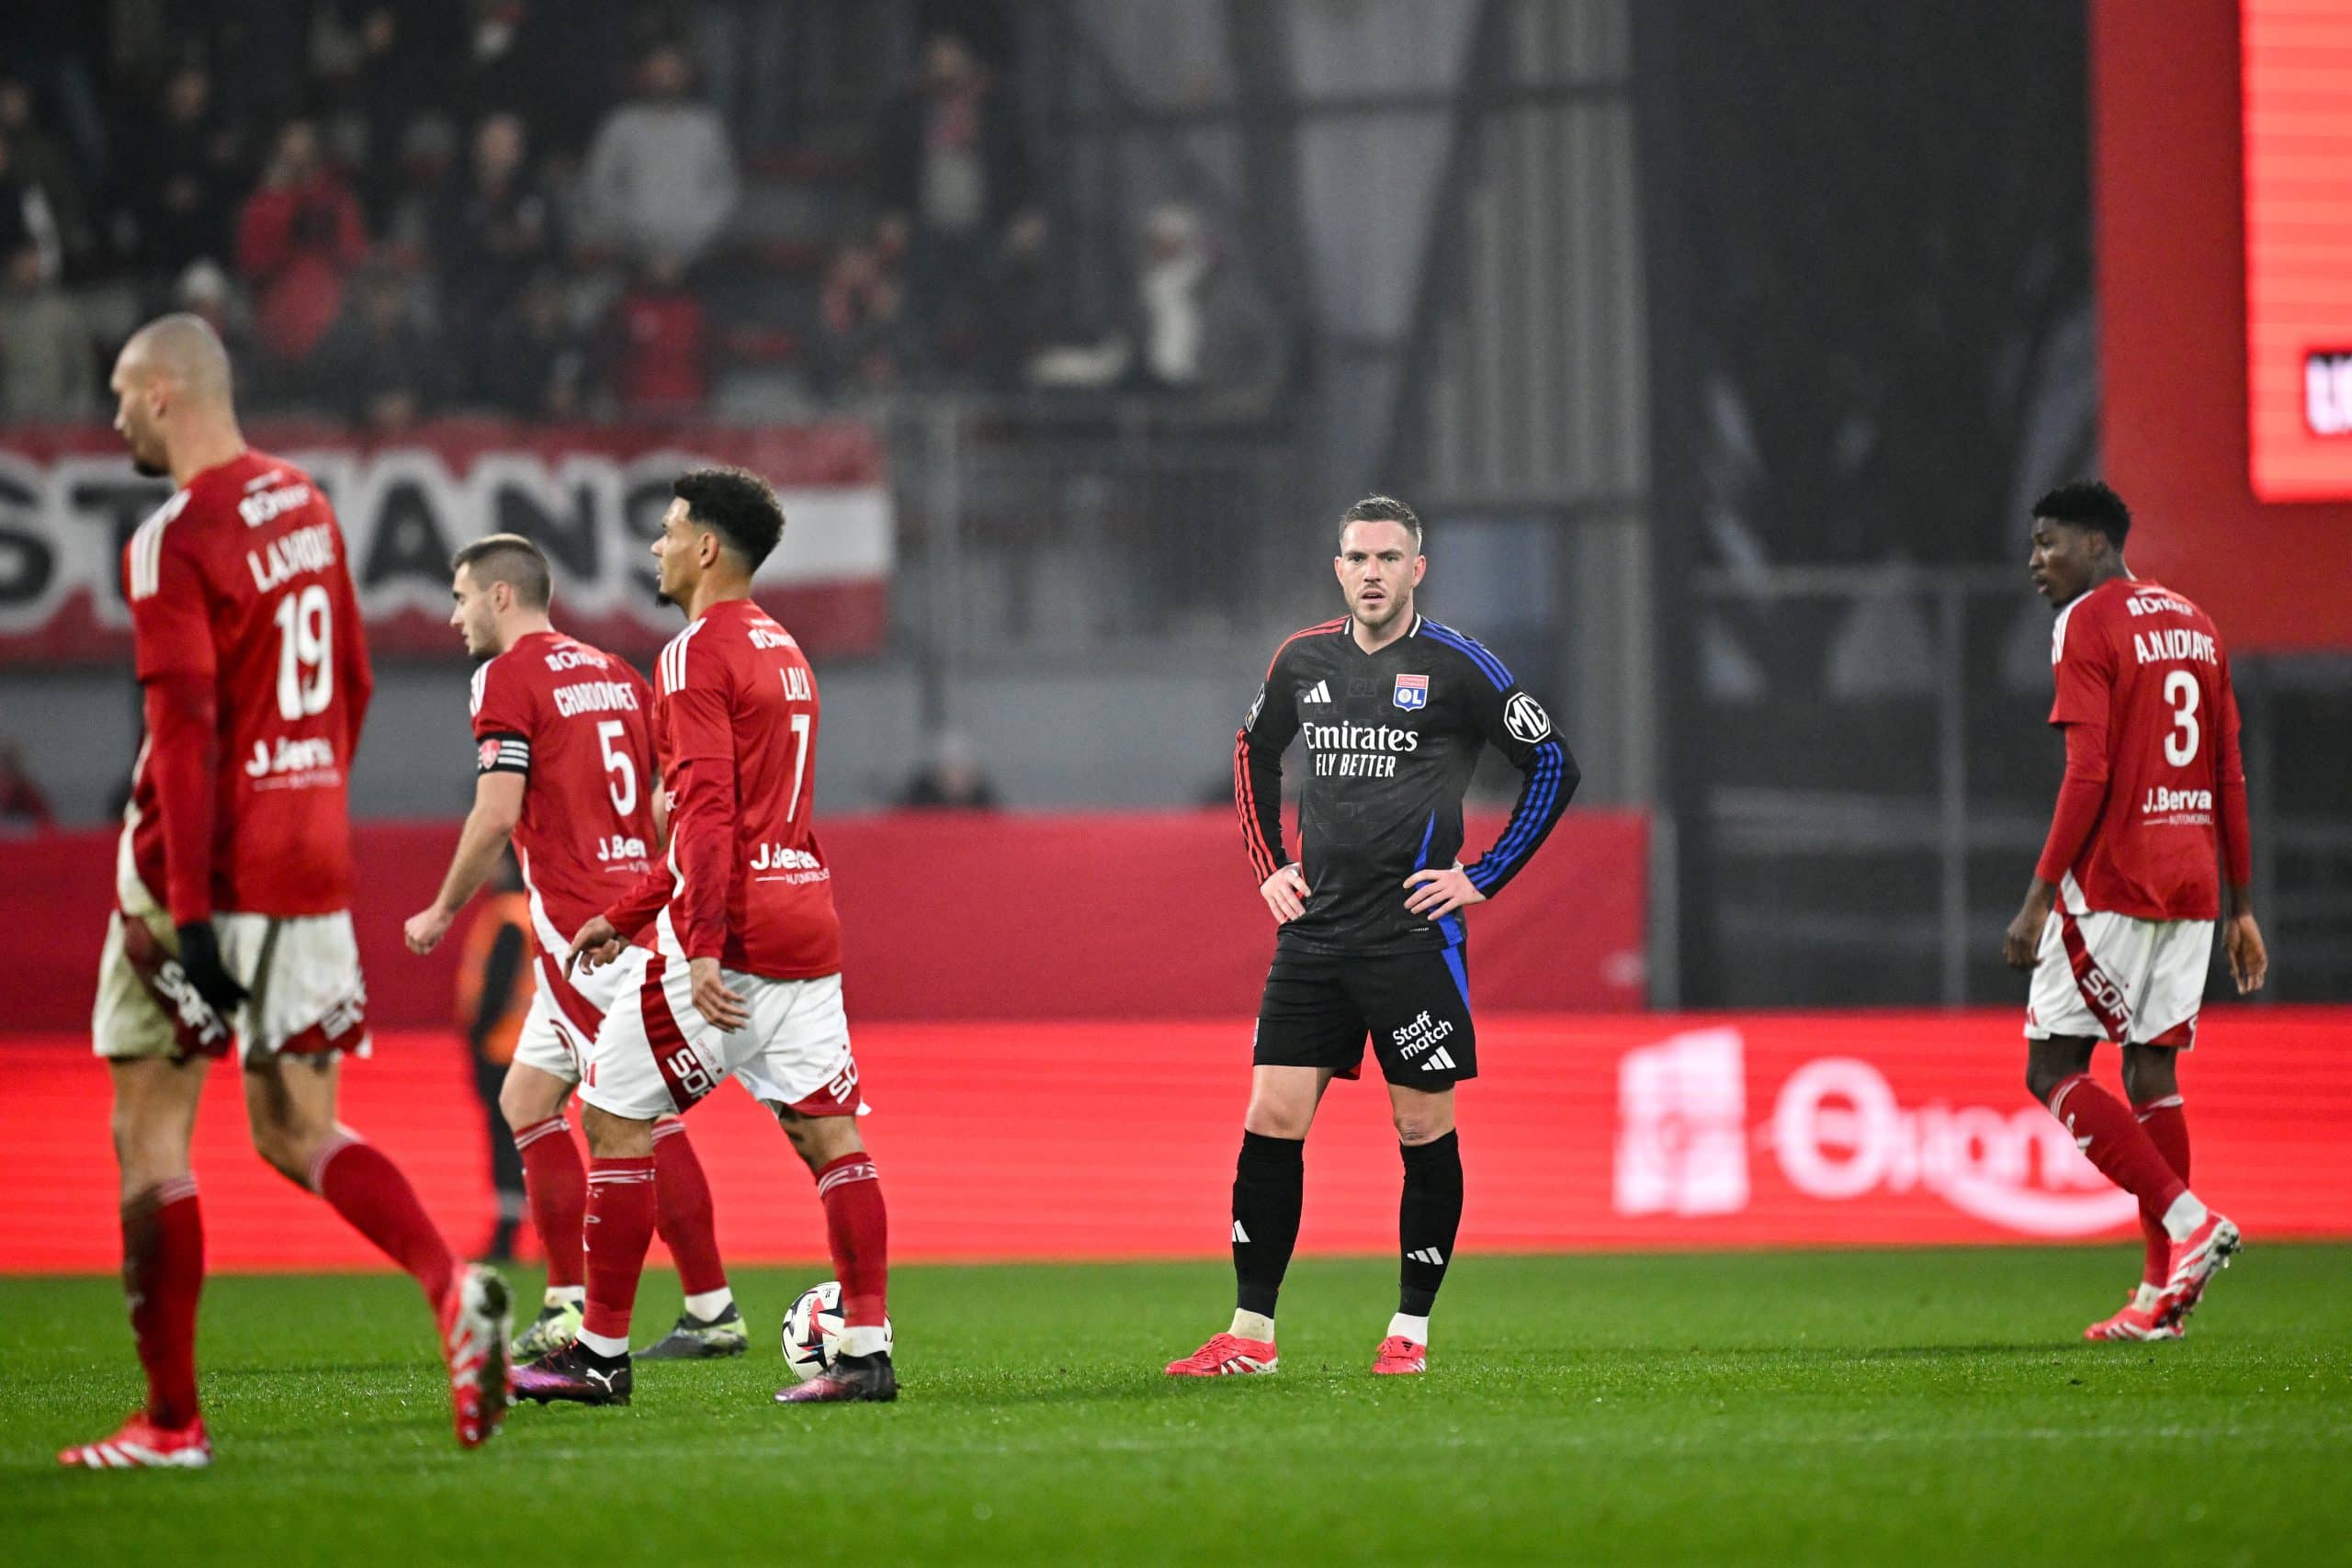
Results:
x,y
1394,708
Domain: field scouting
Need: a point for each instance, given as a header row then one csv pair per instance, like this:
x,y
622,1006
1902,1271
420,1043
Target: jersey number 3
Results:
x,y
2180,696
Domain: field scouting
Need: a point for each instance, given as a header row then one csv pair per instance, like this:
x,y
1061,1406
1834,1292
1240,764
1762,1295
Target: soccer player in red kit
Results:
x,y
737,966
2118,922
234,885
564,768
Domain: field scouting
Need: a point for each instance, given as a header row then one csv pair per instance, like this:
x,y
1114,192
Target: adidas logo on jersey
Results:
x,y
1440,1060
1318,692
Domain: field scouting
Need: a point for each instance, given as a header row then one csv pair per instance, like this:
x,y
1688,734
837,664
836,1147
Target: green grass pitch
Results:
x,y
1857,1406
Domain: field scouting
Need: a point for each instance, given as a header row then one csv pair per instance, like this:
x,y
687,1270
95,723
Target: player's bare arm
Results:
x,y
2023,939
2242,944
713,999
593,945
498,806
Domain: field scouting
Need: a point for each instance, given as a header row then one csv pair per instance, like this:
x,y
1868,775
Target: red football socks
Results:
x,y
368,1191
683,1213
163,1272
557,1184
619,1229
2166,1125
857,1227
2115,1144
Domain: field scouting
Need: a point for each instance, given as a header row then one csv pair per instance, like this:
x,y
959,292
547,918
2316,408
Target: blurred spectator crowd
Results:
x,y
530,209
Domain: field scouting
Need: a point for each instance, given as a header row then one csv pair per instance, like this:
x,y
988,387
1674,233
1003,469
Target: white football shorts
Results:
x,y
2102,975
656,1055
565,1013
301,973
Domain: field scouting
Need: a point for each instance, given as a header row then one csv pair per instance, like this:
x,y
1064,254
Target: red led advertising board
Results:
x,y
1586,1130
2296,71
2215,129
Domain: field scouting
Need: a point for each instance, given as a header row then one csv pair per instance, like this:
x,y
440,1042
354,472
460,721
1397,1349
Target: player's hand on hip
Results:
x,y
1437,894
1285,894
424,930
2249,960
2022,942
595,945
713,998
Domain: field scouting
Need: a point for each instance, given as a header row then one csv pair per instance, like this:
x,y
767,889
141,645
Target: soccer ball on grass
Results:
x,y
812,1330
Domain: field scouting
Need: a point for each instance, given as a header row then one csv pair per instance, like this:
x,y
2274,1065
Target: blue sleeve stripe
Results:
x,y
1541,805
1487,662
1542,792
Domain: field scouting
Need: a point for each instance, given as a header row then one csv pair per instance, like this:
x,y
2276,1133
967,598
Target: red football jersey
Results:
x,y
735,728
2147,666
240,581
578,724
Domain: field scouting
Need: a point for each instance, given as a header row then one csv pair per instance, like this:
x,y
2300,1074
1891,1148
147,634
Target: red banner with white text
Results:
x,y
1609,1131
591,496
951,915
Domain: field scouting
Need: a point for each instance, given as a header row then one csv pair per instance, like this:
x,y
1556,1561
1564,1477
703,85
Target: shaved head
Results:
x,y
184,350
174,403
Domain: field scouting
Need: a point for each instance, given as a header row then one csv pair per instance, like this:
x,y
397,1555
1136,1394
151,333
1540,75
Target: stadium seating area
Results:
x,y
605,209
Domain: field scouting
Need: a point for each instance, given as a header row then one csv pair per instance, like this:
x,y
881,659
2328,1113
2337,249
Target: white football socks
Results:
x,y
864,1339
2146,1297
604,1344
1252,1325
1415,1329
2183,1218
708,1305
567,1295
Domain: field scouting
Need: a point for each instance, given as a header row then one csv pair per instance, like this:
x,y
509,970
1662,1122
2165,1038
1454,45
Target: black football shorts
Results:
x,y
1318,1009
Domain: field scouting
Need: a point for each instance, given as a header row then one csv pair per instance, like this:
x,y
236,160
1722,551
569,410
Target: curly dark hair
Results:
x,y
737,504
2088,503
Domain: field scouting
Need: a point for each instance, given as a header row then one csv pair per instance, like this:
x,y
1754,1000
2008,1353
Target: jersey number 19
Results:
x,y
305,638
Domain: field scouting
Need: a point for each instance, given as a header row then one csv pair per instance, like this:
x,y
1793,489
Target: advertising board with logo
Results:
x,y
1581,1133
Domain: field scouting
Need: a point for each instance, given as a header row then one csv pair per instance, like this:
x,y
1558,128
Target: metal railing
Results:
x,y
1067,529
1879,779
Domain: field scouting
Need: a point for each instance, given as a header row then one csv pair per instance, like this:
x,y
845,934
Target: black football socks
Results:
x,y
1268,1181
1427,1218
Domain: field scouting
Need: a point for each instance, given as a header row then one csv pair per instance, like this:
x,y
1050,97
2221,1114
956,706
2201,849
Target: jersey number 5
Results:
x,y
2180,696
305,640
624,780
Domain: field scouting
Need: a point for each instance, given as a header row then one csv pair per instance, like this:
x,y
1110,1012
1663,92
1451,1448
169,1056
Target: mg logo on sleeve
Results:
x,y
1525,718
1412,691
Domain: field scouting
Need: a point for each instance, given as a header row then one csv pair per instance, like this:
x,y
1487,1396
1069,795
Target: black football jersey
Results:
x,y
1391,738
